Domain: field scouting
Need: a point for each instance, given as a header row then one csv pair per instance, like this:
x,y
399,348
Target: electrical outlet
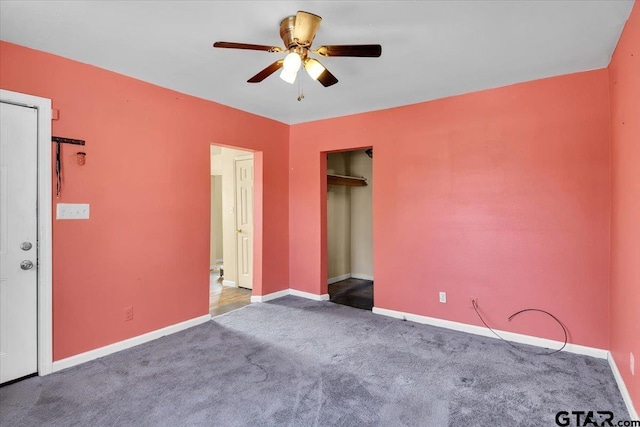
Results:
x,y
443,297
128,314
472,300
632,363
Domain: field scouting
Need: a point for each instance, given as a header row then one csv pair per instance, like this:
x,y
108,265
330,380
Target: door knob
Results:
x,y
239,230
25,246
26,265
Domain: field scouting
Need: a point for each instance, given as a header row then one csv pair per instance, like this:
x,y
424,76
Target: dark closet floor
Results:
x,y
356,293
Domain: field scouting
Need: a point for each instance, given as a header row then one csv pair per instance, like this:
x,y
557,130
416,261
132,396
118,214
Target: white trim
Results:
x,y
219,261
349,276
478,330
285,292
623,388
128,343
361,276
269,297
243,157
338,279
230,283
45,291
308,295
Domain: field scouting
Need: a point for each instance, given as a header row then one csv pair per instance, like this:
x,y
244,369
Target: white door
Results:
x,y
18,241
244,220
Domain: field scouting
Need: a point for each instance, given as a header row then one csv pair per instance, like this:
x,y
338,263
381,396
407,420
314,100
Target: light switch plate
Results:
x,y
72,211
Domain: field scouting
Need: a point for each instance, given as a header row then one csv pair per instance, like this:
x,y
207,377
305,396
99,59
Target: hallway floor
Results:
x,y
223,299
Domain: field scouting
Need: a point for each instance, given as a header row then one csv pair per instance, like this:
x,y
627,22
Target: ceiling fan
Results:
x,y
297,32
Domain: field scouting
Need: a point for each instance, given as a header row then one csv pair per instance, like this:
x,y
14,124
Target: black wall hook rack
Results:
x,y
59,140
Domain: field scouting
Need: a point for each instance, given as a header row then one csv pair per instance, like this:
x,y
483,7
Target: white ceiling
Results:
x,y
430,49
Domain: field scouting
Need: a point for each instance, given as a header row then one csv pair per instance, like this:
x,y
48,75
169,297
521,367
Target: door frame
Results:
x,y
235,211
45,225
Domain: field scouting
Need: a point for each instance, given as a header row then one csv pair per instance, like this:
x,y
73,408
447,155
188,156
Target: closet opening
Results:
x,y
350,228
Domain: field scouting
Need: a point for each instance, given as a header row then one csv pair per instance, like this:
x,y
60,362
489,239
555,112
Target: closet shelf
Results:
x,y
350,181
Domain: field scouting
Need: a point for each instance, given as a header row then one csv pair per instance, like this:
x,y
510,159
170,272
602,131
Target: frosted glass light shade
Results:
x,y
292,62
314,68
288,76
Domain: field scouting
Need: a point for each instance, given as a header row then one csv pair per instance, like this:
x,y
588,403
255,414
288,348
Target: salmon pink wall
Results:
x,y
503,195
147,180
624,80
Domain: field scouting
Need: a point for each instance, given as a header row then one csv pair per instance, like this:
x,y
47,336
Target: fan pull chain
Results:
x,y
300,90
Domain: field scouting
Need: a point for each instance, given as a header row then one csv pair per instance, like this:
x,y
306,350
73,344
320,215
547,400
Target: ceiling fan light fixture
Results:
x,y
288,76
297,33
292,62
314,68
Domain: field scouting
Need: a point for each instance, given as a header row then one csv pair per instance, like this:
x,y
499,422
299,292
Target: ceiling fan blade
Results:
x,y
266,72
305,27
327,79
359,50
231,45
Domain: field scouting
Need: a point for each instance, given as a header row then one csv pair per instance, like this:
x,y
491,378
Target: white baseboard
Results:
x,y
479,330
623,388
338,279
349,276
269,297
361,276
308,295
230,283
128,343
285,292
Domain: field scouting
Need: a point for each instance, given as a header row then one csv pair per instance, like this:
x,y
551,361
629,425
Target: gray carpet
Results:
x,y
295,362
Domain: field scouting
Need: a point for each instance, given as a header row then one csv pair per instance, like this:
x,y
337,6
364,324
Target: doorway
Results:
x,y
350,228
231,248
27,247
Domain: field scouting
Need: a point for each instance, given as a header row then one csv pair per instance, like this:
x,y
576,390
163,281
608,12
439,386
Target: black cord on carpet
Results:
x,y
475,307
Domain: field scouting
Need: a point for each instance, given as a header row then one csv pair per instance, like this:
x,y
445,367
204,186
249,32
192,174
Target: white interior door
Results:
x,y
18,241
244,220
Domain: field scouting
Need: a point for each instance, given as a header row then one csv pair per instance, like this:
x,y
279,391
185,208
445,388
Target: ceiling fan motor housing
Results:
x,y
287,26
286,31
